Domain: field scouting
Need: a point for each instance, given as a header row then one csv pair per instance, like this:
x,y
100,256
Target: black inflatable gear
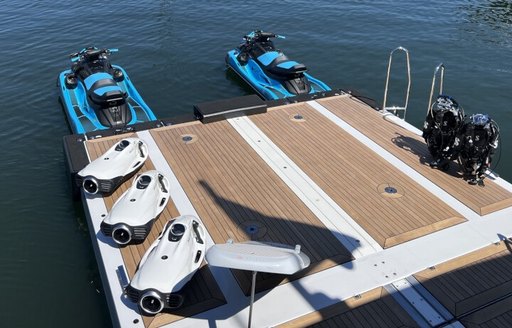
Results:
x,y
441,129
479,140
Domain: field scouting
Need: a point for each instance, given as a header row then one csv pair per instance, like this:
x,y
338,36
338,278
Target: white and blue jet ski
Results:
x,y
97,95
268,70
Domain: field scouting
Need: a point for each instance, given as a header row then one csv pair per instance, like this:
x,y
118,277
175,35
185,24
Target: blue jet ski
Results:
x,y
268,71
97,95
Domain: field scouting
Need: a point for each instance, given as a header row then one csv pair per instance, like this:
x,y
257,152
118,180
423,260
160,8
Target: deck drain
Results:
x,y
188,138
297,118
389,190
254,229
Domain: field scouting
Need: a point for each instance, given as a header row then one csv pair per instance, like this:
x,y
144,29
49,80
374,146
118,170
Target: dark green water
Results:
x,y
174,52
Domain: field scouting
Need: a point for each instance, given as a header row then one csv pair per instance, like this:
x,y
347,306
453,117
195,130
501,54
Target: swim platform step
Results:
x,y
227,108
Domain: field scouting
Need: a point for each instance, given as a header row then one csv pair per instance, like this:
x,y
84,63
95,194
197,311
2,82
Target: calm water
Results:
x,y
174,52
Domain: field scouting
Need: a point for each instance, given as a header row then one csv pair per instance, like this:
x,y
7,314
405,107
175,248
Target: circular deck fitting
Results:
x,y
254,229
389,190
297,118
188,138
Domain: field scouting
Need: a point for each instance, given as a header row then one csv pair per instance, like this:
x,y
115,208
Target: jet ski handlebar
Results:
x,y
91,52
258,35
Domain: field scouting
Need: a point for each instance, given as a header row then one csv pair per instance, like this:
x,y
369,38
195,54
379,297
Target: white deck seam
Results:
x,y
406,306
431,299
398,163
325,209
418,302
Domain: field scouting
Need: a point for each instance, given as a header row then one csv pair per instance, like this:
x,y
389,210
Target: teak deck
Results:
x,y
220,174
497,315
373,309
469,282
411,149
355,177
233,191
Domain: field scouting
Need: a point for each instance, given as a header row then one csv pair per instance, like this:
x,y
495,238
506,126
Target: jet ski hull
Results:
x,y
267,87
82,117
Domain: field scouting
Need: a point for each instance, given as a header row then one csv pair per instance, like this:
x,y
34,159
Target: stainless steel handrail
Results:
x,y
394,109
439,68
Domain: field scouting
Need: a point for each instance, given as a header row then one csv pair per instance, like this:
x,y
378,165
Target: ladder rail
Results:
x,y
439,69
408,65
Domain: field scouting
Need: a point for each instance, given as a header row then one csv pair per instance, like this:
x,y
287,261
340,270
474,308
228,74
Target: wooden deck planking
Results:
x,y
400,137
412,144
469,282
229,185
373,309
411,149
366,169
202,292
497,315
350,173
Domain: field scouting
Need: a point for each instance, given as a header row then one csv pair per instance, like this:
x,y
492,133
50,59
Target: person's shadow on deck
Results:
x,y
239,213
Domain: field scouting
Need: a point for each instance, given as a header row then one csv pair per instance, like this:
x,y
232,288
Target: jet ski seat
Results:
x,y
102,89
287,68
278,64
